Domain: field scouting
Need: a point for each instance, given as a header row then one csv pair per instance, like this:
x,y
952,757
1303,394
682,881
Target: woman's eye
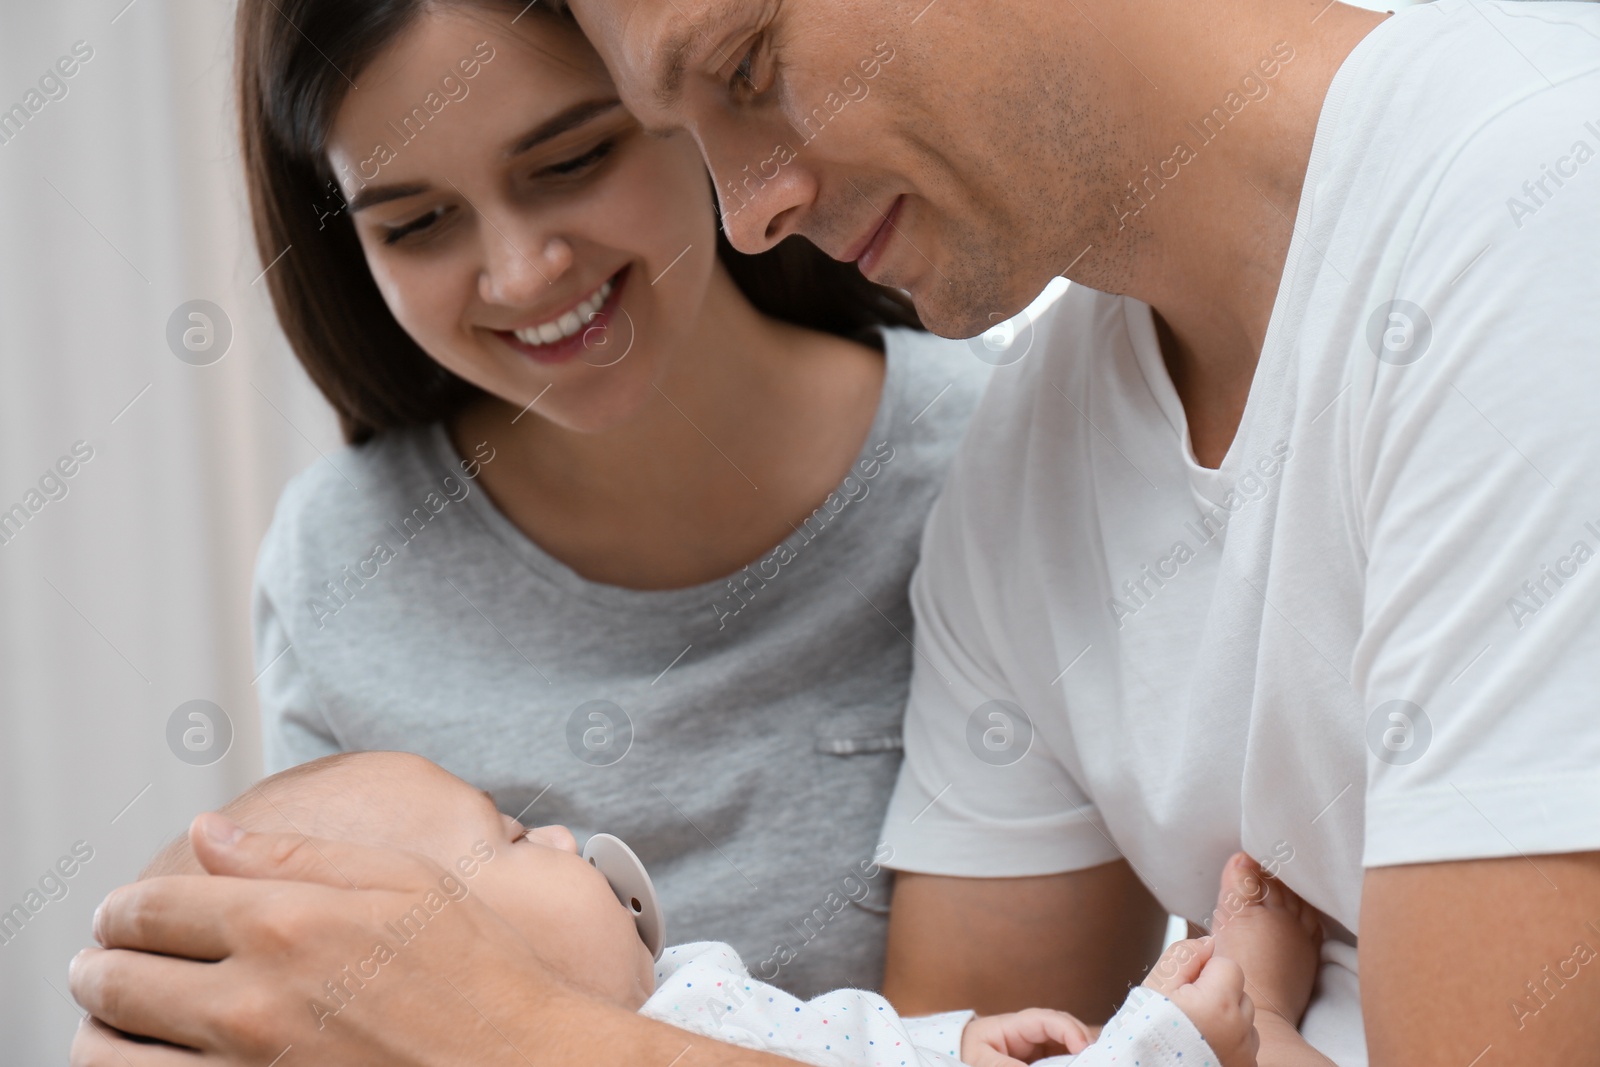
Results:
x,y
416,225
579,163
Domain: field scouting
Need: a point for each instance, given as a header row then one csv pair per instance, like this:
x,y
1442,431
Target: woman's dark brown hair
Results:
x,y
293,57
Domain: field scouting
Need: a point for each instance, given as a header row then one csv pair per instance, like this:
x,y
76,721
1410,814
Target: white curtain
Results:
x,y
121,199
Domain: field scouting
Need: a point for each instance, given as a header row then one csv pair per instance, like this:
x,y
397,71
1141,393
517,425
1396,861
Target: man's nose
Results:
x,y
764,194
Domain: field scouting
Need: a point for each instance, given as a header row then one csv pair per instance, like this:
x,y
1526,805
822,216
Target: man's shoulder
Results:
x,y
1444,88
1466,51
1457,140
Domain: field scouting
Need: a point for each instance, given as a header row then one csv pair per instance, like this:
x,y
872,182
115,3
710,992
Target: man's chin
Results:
x,y
956,312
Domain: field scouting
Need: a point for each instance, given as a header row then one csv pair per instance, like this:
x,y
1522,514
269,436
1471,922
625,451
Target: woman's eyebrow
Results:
x,y
556,125
378,194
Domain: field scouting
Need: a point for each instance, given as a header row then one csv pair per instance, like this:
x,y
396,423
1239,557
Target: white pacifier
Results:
x,y
631,883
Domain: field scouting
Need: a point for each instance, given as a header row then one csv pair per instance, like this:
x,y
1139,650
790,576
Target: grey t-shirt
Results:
x,y
741,735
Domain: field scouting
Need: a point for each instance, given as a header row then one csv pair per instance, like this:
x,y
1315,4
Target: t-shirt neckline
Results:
x,y
686,598
1139,318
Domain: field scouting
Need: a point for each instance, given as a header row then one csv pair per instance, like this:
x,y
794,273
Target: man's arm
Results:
x,y
1482,962
1073,941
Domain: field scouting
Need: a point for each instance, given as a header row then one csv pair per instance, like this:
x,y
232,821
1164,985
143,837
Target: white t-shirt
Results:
x,y
1372,637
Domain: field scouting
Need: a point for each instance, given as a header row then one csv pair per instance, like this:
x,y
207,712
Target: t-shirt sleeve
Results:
x,y
978,794
1477,494
293,728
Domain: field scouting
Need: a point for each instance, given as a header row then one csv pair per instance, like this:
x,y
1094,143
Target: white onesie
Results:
x,y
704,987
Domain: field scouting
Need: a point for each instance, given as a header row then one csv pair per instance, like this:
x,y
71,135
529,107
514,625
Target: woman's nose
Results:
x,y
517,272
554,837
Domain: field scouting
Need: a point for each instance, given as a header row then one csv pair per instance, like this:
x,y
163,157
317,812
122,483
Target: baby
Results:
x,y
1192,1010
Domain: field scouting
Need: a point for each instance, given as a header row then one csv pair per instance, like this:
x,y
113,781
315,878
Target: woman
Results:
x,y
626,527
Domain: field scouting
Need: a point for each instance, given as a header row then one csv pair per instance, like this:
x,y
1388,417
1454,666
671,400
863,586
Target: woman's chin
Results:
x,y
596,407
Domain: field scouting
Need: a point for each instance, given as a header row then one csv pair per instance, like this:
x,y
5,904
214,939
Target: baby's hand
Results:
x,y
1021,1037
1210,991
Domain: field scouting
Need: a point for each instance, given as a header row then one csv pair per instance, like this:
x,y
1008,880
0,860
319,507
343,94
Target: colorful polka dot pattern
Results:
x,y
705,988
1147,1031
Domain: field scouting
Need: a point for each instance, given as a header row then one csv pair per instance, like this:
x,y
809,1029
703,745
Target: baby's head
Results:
x,y
534,879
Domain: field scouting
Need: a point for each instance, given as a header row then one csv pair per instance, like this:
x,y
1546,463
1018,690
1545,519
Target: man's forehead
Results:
x,y
654,41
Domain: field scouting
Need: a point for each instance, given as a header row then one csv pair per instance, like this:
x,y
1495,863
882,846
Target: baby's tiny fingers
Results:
x,y
1222,978
1041,1025
1179,965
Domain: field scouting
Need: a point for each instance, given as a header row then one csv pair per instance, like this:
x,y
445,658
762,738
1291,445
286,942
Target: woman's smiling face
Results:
x,y
518,222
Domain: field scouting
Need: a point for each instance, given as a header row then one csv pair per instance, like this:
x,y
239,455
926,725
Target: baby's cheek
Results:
x,y
610,952
645,978
509,889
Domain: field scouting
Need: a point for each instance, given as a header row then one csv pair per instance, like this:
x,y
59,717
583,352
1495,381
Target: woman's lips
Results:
x,y
871,256
570,348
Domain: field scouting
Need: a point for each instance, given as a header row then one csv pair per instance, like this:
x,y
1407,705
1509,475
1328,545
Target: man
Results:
x,y
1280,534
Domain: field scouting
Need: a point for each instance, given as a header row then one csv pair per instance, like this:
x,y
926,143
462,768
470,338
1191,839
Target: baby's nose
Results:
x,y
555,837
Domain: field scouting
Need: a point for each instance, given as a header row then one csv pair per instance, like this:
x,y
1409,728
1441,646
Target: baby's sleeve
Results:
x,y
705,988
940,1033
1148,1030
861,1029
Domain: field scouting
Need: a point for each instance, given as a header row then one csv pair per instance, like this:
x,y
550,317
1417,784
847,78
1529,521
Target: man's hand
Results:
x,y
1482,961
1020,1037
268,953
244,964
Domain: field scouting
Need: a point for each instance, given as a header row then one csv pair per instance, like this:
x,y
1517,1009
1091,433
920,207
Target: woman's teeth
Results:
x,y
560,329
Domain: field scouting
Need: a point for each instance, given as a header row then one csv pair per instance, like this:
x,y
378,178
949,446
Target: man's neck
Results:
x,y
1227,126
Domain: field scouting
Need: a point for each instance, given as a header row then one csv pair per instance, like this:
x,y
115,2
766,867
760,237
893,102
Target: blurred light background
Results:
x,y
128,596
120,200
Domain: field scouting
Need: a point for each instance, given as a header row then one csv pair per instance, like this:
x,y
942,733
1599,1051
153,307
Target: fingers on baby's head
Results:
x,y
260,808
368,797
